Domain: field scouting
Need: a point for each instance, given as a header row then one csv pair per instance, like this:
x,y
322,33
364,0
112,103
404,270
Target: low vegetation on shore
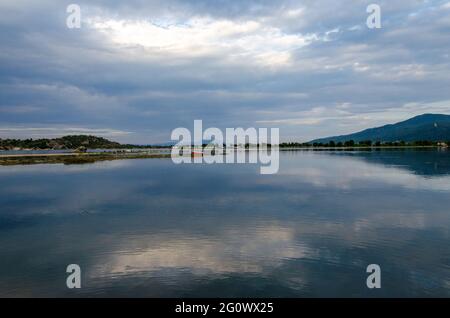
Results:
x,y
69,159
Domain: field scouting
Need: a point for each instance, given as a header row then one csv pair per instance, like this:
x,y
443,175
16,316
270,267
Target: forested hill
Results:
x,y
429,127
66,142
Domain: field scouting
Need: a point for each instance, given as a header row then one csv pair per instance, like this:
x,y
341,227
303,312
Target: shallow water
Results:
x,y
149,228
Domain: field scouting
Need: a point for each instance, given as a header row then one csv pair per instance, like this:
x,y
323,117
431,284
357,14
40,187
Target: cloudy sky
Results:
x,y
137,69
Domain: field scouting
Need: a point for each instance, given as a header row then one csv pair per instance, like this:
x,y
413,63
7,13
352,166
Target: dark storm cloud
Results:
x,y
139,69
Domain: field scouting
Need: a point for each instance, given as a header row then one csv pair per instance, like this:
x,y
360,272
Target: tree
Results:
x,y
349,143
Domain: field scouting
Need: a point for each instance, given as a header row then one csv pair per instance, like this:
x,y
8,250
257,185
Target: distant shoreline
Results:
x,y
359,147
92,157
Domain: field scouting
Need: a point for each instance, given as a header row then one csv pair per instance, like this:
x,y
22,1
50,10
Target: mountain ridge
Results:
x,y
430,127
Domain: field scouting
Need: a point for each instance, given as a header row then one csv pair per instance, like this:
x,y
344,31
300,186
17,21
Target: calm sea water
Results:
x,y
149,228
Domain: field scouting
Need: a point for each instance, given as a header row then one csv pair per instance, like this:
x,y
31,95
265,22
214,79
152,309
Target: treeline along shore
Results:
x,y
20,152
81,143
365,144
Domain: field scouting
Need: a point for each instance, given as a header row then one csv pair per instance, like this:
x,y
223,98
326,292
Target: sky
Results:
x,y
136,69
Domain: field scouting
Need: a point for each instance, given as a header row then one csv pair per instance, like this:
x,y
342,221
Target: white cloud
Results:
x,y
249,40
